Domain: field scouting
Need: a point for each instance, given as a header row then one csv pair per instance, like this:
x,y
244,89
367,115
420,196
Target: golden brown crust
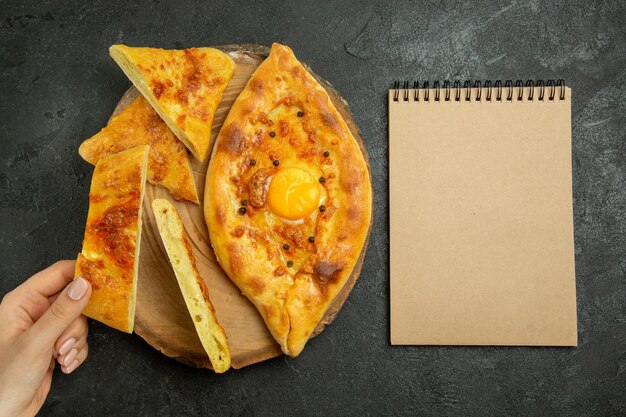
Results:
x,y
139,124
184,87
284,114
109,256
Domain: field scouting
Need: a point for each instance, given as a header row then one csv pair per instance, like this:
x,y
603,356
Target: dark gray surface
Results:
x,y
58,87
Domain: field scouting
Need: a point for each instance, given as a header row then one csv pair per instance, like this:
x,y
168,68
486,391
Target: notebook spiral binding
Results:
x,y
474,88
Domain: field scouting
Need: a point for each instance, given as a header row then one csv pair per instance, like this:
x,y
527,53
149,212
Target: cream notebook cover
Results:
x,y
481,218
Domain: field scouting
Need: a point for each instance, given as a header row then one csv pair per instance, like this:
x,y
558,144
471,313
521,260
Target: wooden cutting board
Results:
x,y
162,318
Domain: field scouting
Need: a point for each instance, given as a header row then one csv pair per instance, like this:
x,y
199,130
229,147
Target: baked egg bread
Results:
x,y
183,86
194,290
139,124
109,257
288,199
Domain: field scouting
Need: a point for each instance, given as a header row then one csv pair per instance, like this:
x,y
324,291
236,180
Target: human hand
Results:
x,y
40,320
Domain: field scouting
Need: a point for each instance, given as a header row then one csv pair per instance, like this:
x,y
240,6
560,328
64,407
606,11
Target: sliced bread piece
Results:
x,y
192,286
183,86
110,254
139,124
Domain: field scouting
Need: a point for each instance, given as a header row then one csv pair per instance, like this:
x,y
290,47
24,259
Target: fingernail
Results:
x,y
72,367
70,357
77,289
66,346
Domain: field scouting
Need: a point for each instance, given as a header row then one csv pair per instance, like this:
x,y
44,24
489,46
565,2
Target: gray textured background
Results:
x,y
58,87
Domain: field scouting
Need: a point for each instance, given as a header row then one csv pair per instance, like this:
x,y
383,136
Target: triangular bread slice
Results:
x,y
184,87
110,254
194,290
139,124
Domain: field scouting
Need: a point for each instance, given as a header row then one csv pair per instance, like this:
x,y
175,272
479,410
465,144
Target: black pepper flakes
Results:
x,y
252,162
276,162
326,154
300,113
272,134
311,239
289,264
244,202
286,246
322,180
242,210
322,208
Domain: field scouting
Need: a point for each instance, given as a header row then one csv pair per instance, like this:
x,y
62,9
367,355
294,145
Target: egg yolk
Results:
x,y
293,194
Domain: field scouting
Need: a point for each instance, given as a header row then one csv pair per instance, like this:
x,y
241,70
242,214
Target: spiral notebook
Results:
x,y
481,222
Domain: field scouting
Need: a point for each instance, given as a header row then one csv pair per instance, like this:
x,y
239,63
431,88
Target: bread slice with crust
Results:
x,y
183,86
139,124
194,290
110,253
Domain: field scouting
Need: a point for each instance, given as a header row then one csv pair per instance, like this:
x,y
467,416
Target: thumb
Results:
x,y
68,306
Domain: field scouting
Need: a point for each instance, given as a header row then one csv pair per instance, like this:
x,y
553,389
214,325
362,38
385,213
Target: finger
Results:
x,y
76,361
71,335
67,307
67,360
72,345
53,297
81,342
51,280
